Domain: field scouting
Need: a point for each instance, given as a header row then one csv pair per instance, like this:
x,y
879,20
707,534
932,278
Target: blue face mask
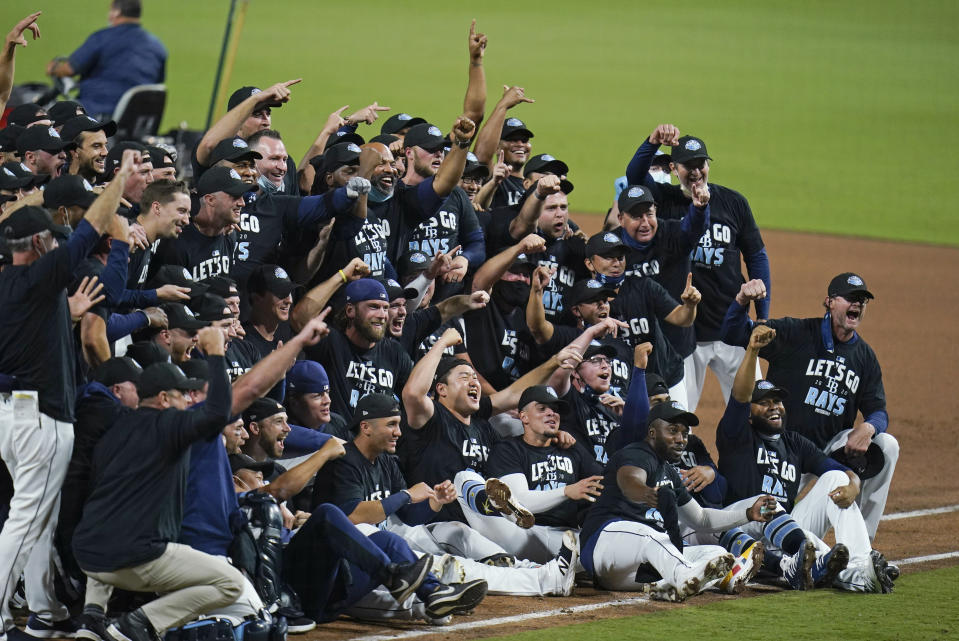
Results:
x,y
377,196
267,186
612,281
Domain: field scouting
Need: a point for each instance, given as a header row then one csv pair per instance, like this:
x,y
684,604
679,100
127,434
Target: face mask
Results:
x,y
377,196
512,294
267,186
612,281
660,176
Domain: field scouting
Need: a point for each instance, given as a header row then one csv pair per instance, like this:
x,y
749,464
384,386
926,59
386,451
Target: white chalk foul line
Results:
x,y
908,515
928,557
470,625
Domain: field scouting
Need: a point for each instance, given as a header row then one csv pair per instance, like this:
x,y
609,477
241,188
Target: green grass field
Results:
x,y
833,117
922,607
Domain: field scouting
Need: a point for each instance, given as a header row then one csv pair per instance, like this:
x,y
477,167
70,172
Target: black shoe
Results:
x,y
881,567
40,629
892,571
405,578
299,625
455,599
93,625
132,626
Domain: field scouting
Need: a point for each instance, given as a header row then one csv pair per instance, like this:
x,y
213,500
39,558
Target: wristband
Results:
x,y
393,502
538,197
343,276
463,144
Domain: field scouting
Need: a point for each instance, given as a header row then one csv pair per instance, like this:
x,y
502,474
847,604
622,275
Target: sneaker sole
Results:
x,y
809,557
837,563
49,634
879,566
502,498
300,629
402,596
569,574
115,635
90,635
735,582
460,603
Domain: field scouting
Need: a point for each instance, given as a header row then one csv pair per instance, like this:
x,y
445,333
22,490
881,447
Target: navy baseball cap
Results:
x,y
394,290
514,126
764,389
211,307
340,155
363,289
385,139
542,394
689,148
307,377
635,197
605,243
426,136
78,124
40,138
270,278
399,122
26,114
473,167
162,377
161,157
61,112
115,155
595,347
234,150
146,353
31,220
374,406
118,370
588,290
222,286
243,93
246,462
180,316
655,384
848,283
13,180
69,191
8,137
672,412
545,164
262,408
222,179
23,172
413,262
176,275
343,138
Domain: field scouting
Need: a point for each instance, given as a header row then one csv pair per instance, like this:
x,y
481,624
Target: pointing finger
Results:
x,y
689,280
289,83
473,27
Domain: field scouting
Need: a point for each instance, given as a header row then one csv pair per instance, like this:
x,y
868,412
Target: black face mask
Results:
x,y
509,295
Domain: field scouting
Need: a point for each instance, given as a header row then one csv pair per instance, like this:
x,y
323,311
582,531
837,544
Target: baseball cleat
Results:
x,y
797,569
448,569
566,562
664,591
455,599
828,566
704,572
884,583
744,569
892,571
502,499
499,560
407,577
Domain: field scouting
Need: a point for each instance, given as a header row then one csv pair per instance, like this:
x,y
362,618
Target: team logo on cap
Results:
x,y
254,91
764,385
53,132
24,167
8,172
677,406
434,131
352,146
635,192
89,187
93,120
404,117
520,256
470,156
610,237
234,175
551,392
418,257
186,274
188,311
547,158
693,145
279,272
514,122
855,281
239,143
593,284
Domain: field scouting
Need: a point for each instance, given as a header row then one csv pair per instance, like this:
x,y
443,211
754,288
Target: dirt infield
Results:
x,y
912,327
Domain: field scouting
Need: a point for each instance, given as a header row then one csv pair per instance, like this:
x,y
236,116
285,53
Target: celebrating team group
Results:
x,y
396,376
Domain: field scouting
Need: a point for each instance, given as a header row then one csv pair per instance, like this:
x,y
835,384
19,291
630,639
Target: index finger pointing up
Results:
x,y
292,82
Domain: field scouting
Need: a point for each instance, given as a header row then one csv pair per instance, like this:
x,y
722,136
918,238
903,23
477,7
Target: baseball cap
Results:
x,y
595,347
340,155
233,149
655,384
672,412
262,408
119,369
161,157
542,394
40,138
161,377
373,406
545,164
23,172
398,122
426,136
222,286
848,283
8,137
69,191
146,353
270,278
62,111
413,262
307,377
78,124
385,139
587,290
635,197
605,243
363,289
31,220
115,155
246,462
866,465
176,275
222,179
394,290
13,180
211,307
764,389
689,148
179,316
26,114
243,93
197,368
343,138
474,167
446,364
514,126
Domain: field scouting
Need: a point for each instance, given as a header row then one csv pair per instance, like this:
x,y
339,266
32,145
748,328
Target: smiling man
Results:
x,y
267,426
831,375
164,213
89,136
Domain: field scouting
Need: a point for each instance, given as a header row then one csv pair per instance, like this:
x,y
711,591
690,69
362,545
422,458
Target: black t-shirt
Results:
x,y
621,364
404,212
589,421
140,265
757,464
826,388
717,268
444,446
419,324
240,357
487,327
546,468
353,237
612,505
508,193
264,221
355,372
454,224
204,256
429,341
695,455
259,346
352,478
643,304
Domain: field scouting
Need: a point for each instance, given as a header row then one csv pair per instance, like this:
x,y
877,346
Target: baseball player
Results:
x,y
717,273
631,536
367,484
831,375
758,454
